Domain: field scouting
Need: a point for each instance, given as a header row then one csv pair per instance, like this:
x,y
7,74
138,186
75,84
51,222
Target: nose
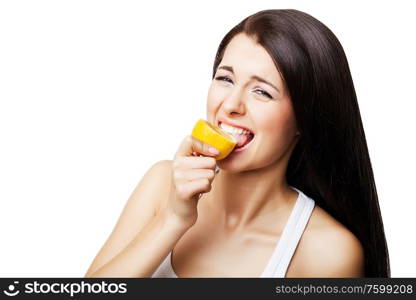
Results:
x,y
234,103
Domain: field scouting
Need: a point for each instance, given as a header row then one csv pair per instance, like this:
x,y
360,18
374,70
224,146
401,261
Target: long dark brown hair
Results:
x,y
330,162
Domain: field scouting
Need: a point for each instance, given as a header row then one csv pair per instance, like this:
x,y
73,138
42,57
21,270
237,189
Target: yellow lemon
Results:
x,y
214,136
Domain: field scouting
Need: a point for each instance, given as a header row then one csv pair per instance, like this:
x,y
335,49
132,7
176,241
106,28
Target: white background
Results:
x,y
92,93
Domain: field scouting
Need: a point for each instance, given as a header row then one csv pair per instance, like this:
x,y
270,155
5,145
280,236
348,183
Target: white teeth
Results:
x,y
231,129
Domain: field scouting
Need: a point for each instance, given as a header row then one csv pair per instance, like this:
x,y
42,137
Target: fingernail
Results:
x,y
213,150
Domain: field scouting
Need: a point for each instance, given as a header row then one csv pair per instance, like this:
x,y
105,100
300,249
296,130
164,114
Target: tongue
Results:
x,y
242,140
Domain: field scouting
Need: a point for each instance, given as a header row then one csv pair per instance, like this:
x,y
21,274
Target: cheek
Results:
x,y
278,125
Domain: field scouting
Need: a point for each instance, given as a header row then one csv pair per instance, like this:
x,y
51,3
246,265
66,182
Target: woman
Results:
x,y
296,199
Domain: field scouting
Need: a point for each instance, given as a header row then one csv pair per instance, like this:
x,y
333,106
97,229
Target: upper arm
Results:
x,y
334,252
140,208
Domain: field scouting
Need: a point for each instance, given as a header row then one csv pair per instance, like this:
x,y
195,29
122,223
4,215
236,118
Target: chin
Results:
x,y
234,166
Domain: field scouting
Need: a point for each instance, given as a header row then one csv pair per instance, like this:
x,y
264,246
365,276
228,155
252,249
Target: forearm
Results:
x,y
147,250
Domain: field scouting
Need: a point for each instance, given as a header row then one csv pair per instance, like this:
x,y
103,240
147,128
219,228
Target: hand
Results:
x,y
192,175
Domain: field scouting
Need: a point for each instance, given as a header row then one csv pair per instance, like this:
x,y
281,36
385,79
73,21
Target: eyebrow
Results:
x,y
255,77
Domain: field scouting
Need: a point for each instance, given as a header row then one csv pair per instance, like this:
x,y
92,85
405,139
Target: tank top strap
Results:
x,y
290,237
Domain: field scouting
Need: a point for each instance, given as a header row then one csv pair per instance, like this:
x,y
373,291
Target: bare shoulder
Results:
x,y
162,166
327,249
154,182
142,205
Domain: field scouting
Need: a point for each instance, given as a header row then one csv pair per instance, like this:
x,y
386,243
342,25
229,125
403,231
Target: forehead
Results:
x,y
249,58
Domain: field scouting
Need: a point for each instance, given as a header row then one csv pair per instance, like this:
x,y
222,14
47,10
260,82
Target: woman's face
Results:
x,y
248,91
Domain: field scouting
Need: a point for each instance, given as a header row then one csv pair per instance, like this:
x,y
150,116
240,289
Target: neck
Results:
x,y
238,199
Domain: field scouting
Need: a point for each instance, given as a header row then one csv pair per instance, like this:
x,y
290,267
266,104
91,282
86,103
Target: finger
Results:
x,y
197,187
190,145
195,174
190,162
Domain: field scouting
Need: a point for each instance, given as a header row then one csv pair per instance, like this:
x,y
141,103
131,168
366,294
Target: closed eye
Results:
x,y
264,93
227,79
223,78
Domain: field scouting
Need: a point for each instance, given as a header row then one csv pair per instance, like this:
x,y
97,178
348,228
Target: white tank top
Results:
x,y
285,248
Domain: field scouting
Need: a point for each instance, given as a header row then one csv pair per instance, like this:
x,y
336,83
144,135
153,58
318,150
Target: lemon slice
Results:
x,y
214,136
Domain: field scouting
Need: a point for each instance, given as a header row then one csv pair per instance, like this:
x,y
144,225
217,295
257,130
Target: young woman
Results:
x,y
296,199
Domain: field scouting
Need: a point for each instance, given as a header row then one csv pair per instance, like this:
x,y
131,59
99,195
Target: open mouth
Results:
x,y
243,136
